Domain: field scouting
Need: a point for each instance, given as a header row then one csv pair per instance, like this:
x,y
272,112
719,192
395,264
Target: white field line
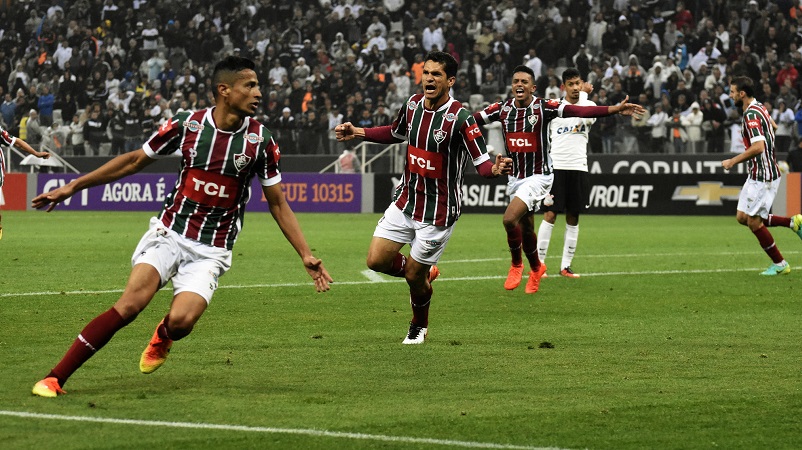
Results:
x,y
619,255
271,430
371,280
373,276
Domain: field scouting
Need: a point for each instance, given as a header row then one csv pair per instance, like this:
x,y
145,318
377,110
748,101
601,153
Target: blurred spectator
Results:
x,y
8,110
713,125
641,126
76,137
54,138
676,133
45,105
784,118
285,131
94,131
35,133
692,122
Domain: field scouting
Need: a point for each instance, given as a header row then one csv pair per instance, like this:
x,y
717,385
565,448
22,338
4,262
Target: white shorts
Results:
x,y
757,197
191,265
531,190
427,242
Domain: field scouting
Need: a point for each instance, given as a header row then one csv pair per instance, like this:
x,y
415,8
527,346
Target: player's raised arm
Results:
x,y
119,167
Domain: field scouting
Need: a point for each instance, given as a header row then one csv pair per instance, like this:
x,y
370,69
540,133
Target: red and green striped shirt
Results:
x,y
208,201
439,145
756,126
8,140
525,132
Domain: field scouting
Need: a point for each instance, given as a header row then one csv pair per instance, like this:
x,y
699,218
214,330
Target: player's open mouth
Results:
x,y
519,91
429,88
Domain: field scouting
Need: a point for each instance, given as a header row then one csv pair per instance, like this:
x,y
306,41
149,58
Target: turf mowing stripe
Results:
x,y
299,431
394,280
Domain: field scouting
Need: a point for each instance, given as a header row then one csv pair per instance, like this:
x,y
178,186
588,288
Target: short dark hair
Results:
x,y
229,67
449,63
525,69
744,84
570,73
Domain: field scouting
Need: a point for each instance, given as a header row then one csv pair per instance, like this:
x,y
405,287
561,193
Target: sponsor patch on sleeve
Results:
x,y
473,132
753,123
553,104
166,127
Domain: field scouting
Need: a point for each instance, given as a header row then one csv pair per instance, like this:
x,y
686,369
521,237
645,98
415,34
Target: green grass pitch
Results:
x,y
670,340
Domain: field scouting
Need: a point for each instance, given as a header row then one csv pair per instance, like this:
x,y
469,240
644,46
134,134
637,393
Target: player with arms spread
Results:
x,y
222,149
12,141
760,188
442,137
525,124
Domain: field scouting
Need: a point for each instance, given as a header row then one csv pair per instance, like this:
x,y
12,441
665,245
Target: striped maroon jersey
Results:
x,y
439,145
525,133
756,126
208,201
7,140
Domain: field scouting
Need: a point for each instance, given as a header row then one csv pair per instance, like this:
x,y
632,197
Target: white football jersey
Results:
x,y
569,139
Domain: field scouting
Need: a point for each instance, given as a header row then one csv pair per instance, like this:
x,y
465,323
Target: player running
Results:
x,y
763,180
12,141
190,243
525,119
442,138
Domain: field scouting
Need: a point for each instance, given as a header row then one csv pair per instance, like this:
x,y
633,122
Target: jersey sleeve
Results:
x,y
754,125
6,138
267,163
553,109
492,113
399,127
473,140
166,140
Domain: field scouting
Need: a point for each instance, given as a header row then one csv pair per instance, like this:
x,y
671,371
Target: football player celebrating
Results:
x,y
525,125
442,137
222,149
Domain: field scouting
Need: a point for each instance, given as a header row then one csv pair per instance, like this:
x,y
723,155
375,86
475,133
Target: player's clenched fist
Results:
x,y
344,131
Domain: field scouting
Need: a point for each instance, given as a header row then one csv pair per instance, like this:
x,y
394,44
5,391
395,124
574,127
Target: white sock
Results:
x,y
543,238
569,248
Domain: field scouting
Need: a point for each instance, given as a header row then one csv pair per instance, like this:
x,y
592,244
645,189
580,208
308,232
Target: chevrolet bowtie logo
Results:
x,y
707,193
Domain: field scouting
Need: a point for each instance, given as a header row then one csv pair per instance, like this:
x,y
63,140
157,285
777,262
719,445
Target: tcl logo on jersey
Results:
x,y
473,132
427,164
553,103
210,189
166,126
754,123
522,142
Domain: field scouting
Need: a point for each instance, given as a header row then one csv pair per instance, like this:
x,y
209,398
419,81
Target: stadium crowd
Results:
x,y
96,77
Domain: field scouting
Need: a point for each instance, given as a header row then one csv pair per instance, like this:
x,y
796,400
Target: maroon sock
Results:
x,y
777,221
530,250
161,330
514,241
93,337
398,267
420,308
767,242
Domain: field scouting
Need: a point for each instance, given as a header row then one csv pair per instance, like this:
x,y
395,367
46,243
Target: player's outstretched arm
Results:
x,y
288,223
119,167
24,146
627,109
